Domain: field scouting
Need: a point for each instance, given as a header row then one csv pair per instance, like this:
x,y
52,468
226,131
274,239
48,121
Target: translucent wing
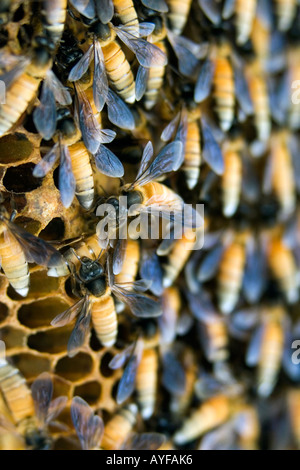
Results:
x,y
127,382
144,441
255,273
228,9
146,158
140,305
61,93
55,408
147,54
204,81
211,9
150,268
85,7
278,91
12,75
89,126
210,264
100,83
44,115
108,163
118,255
82,65
69,315
141,82
105,10
181,136
81,329
242,91
144,30
165,162
66,178
119,359
42,391
35,249
118,112
89,427
254,347
169,130
212,153
294,148
157,5
184,51
173,375
47,162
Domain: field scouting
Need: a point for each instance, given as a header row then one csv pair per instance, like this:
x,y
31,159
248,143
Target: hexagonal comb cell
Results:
x,y
89,391
52,341
41,312
75,368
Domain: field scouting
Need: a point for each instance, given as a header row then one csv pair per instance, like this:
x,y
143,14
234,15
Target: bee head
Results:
x,y
133,197
101,31
90,269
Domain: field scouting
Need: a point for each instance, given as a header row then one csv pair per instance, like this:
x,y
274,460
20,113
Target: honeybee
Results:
x,y
285,12
178,14
96,302
103,9
54,17
75,171
232,176
32,410
150,268
266,348
91,431
181,402
167,322
118,428
126,261
17,248
245,14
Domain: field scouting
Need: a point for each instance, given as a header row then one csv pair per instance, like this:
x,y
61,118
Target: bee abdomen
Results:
x,y
283,266
212,413
192,156
283,177
245,12
224,93
16,393
178,257
285,10
146,382
178,14
231,182
54,13
104,319
118,428
83,174
119,71
259,96
21,93
14,264
155,81
230,277
126,11
271,355
130,263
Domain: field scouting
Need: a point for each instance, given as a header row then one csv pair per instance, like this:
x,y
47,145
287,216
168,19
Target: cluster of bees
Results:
x,y
200,339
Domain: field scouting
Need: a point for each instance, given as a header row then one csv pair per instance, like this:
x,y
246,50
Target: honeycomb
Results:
x,y
199,352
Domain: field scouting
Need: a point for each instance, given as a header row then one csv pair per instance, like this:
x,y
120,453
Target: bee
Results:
x,y
293,401
232,176
31,411
21,84
285,12
181,402
178,14
96,302
110,60
283,267
126,266
266,348
146,382
245,15
126,12
54,17
75,171
118,428
18,248
91,431
103,9
167,322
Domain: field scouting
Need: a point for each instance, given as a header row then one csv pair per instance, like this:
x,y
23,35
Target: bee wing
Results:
x,y
61,93
42,391
242,92
150,269
68,315
144,441
119,359
223,438
254,280
181,136
118,112
242,322
90,128
100,82
85,7
89,427
118,255
184,324
146,158
157,5
144,30
202,307
251,185
212,153
66,178
105,10
147,54
108,163
185,52
278,91
228,9
173,374
127,381
35,249
253,351
294,147
142,285
165,162
12,75
47,162
81,329
55,408
265,13
141,305
82,65
169,130
44,115
211,9
268,175
204,81
210,264
141,82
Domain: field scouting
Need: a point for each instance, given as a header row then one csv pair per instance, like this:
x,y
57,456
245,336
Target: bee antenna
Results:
x,y
75,254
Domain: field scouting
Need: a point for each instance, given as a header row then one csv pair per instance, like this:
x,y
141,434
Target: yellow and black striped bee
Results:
x,y
178,14
18,248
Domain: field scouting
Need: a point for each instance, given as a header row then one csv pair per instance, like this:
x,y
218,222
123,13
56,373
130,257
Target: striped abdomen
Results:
x,y
192,156
83,174
14,263
104,319
224,92
155,81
